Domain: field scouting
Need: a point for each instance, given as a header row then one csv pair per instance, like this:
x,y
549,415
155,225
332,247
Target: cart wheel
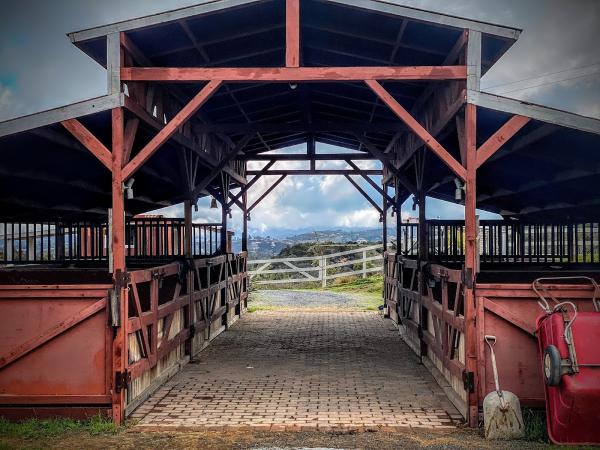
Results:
x,y
551,366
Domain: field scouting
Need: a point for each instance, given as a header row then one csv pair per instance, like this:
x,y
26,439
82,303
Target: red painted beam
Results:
x,y
170,128
500,137
287,74
418,129
89,141
292,33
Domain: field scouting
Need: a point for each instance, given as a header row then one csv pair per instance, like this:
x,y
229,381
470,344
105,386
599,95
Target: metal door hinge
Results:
x,y
467,278
122,379
468,381
122,279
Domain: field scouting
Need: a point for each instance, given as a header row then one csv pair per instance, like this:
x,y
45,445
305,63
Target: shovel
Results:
x,y
502,416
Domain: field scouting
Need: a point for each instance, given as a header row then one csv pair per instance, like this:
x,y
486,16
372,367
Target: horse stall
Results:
x,y
59,312
426,299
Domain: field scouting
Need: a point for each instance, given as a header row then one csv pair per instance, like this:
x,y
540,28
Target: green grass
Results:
x,y
35,428
370,289
535,425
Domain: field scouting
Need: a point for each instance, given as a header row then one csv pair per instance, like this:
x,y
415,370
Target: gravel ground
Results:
x,y
308,299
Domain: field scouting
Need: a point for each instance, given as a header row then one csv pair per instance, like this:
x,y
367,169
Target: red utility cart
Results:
x,y
569,343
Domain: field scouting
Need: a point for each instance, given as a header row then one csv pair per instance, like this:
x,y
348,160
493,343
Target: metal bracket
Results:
x,y
468,381
122,279
467,278
122,379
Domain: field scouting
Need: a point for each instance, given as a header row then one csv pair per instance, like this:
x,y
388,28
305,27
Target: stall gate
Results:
x,y
427,303
428,306
56,341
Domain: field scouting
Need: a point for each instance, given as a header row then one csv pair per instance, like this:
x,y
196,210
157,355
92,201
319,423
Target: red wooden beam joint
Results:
x,y
89,141
170,128
418,129
500,137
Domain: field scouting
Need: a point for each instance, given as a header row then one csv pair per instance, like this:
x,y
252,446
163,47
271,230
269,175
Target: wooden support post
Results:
x,y
471,251
119,362
245,222
59,232
384,238
398,204
189,254
423,232
292,33
422,260
189,243
223,228
311,151
471,228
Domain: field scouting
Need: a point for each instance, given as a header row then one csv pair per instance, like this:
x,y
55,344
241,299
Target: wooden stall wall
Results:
x,y
55,350
427,303
174,312
509,312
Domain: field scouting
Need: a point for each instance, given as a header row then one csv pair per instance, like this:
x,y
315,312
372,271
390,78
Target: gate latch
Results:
x,y
468,381
122,379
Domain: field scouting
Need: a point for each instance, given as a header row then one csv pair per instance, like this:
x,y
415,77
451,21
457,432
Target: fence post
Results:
x,y
364,264
323,271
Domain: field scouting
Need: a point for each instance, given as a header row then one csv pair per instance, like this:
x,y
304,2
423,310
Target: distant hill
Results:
x,y
271,245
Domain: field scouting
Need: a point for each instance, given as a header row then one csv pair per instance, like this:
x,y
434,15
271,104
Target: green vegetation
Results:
x,y
370,288
36,429
535,425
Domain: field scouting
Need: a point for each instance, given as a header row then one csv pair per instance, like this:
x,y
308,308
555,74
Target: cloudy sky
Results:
x,y
556,62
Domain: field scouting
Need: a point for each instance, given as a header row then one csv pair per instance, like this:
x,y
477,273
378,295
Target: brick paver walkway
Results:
x,y
302,370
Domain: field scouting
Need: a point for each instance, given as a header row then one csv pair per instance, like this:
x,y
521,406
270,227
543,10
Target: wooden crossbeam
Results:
x,y
250,183
317,172
287,74
418,129
267,192
500,137
316,156
385,161
89,141
364,194
170,128
371,182
224,161
292,33
131,128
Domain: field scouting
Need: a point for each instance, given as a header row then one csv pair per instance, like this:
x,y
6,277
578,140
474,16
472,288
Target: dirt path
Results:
x,y
307,299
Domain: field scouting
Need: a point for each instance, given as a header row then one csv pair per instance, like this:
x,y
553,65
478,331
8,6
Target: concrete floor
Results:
x,y
296,370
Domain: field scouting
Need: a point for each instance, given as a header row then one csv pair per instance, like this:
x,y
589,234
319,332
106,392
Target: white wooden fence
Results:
x,y
317,268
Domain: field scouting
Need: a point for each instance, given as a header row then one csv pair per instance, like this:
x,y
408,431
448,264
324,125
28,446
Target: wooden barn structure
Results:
x,y
98,308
